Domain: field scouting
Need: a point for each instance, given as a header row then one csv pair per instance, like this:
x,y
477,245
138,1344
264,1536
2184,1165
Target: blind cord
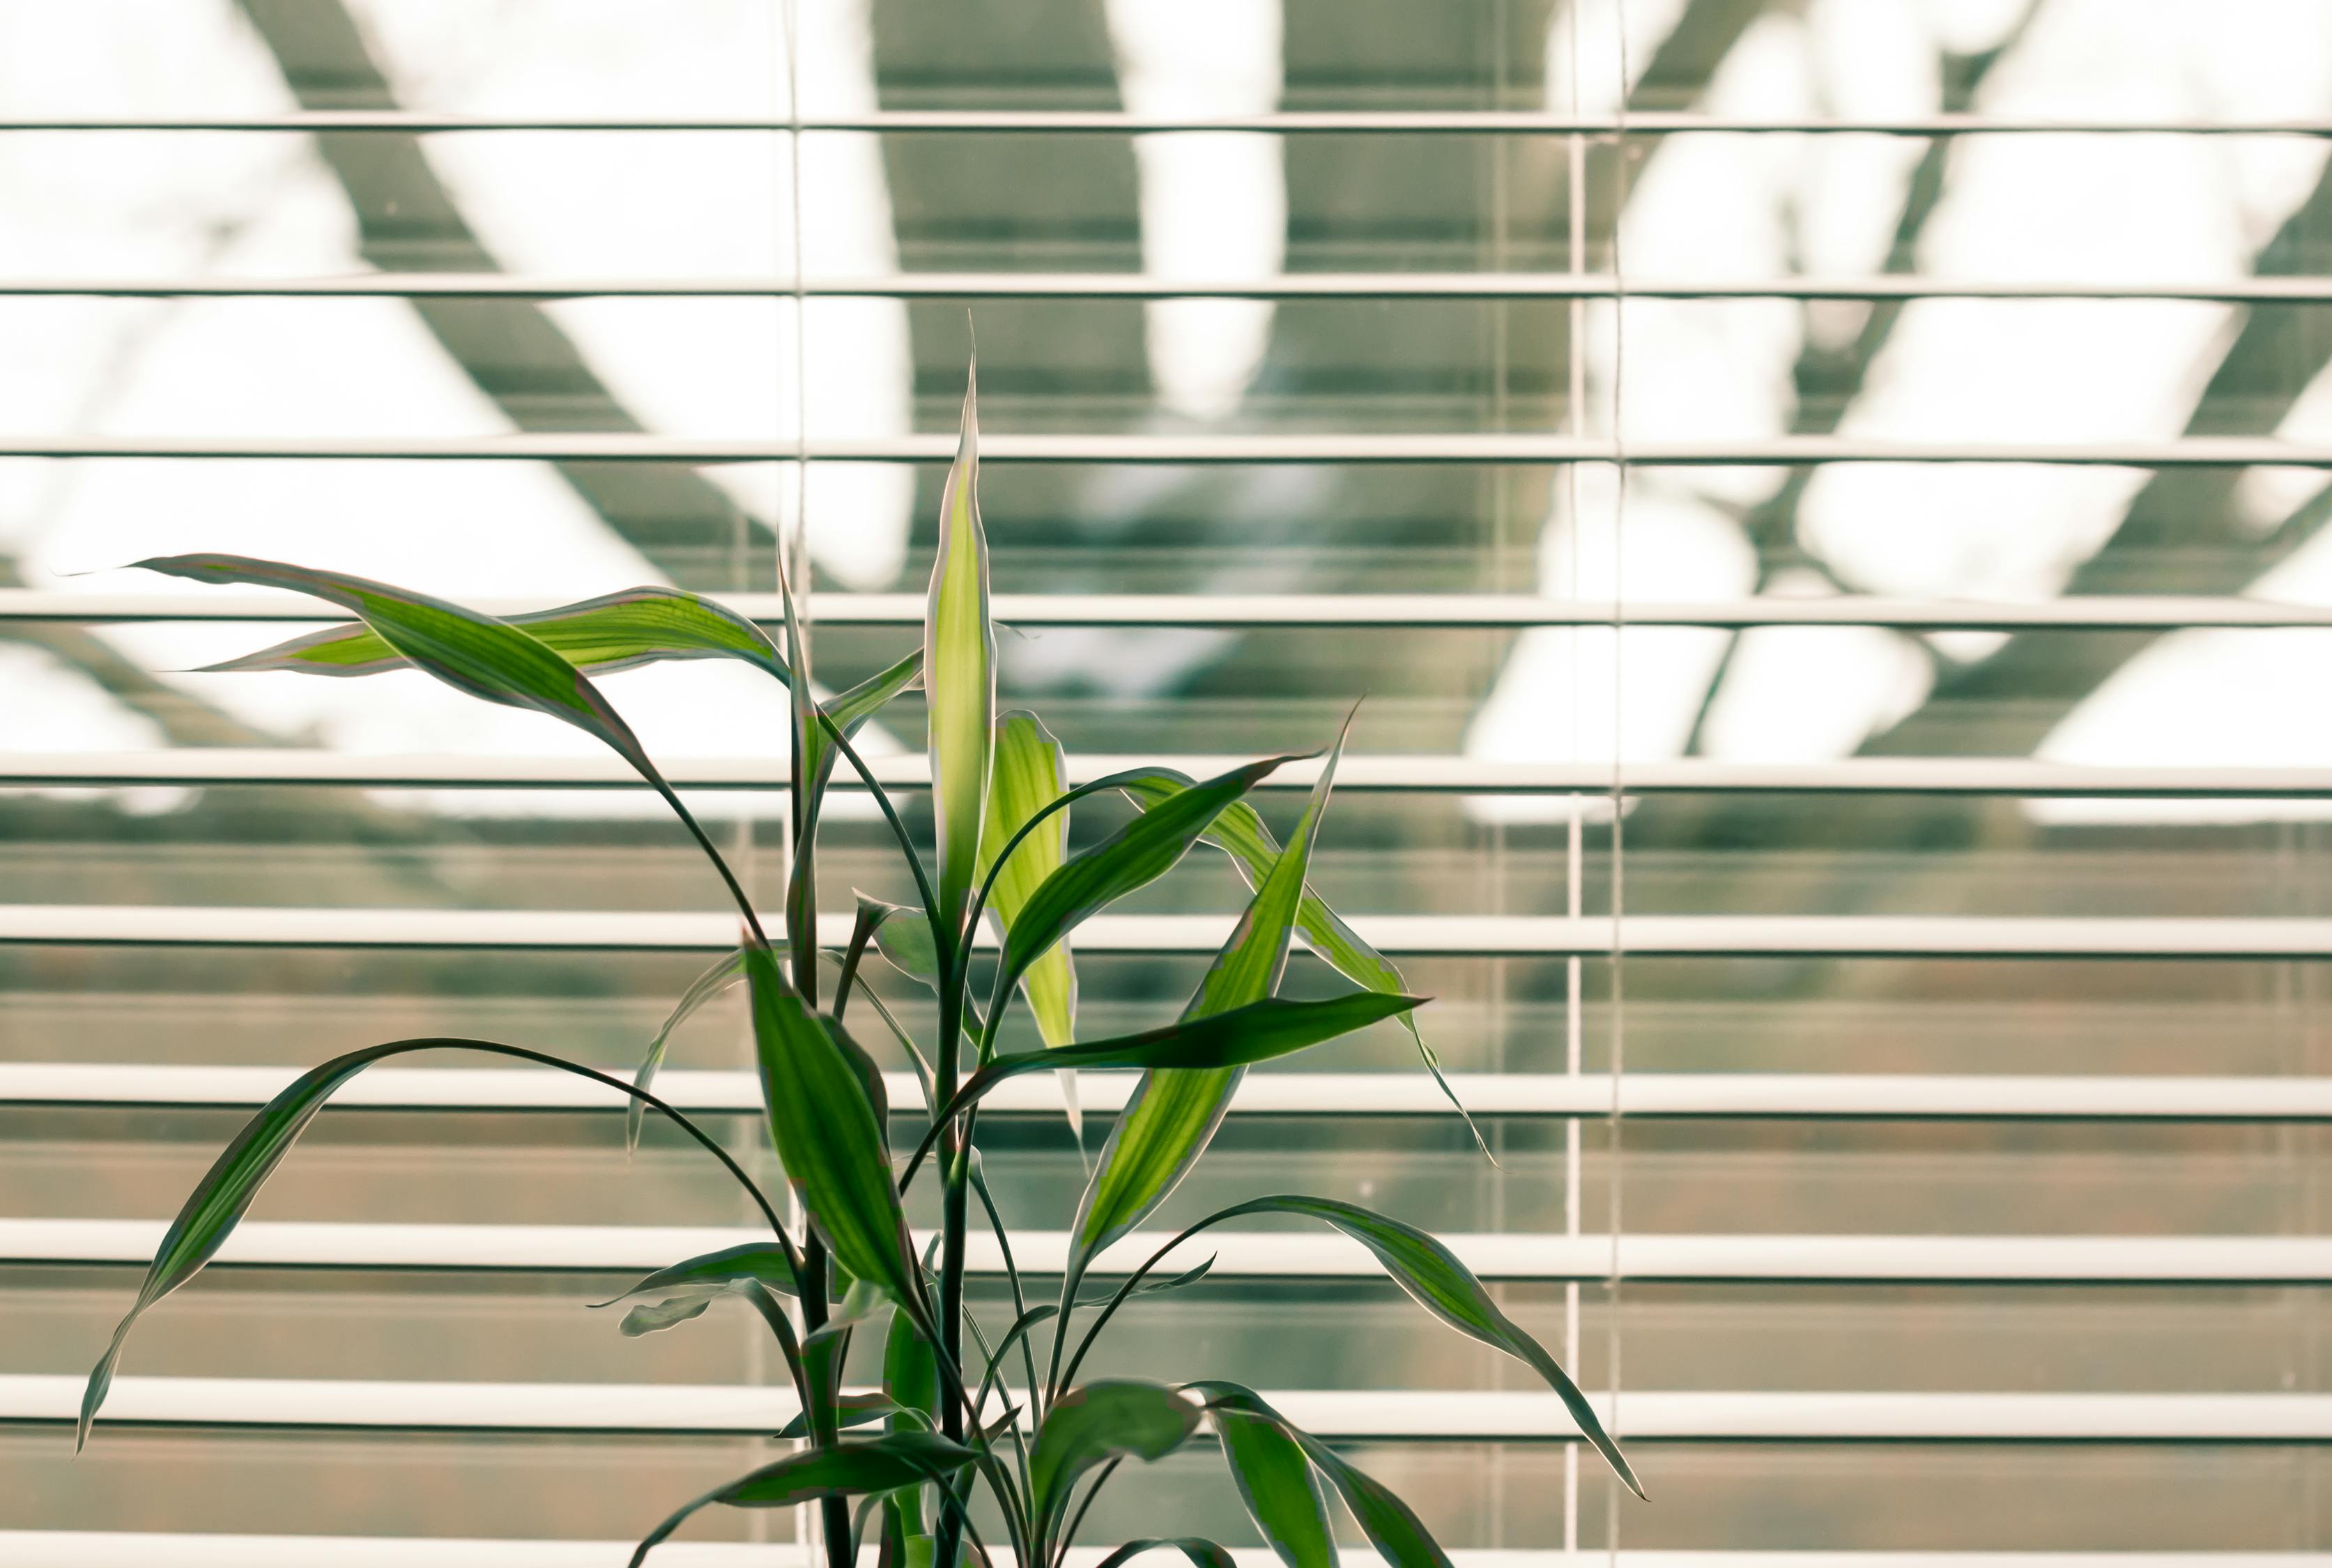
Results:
x,y
1619,623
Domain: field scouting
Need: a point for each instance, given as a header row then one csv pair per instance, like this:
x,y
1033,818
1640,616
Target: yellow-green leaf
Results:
x,y
960,674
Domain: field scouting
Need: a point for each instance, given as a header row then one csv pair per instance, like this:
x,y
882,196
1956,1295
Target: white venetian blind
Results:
x,y
1934,393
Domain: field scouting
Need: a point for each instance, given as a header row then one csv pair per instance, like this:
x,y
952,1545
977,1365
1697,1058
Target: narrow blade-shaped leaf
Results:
x,y
1201,1551
1172,1116
809,792
1239,833
903,937
718,977
763,1260
1134,856
827,1134
1101,1420
882,1464
1259,1032
1400,1537
1030,773
654,1316
617,631
1276,1484
959,672
1436,1280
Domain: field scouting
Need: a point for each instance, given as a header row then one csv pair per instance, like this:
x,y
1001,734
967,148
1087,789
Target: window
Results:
x,y
1905,1101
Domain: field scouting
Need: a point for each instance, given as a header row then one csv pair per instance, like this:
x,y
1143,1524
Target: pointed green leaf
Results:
x,y
617,631
1103,1421
1436,1280
1259,1032
1239,833
1172,1116
649,1317
1400,1537
1134,856
1030,773
959,672
724,972
879,1465
224,1194
903,937
827,1134
762,1260
1276,1484
850,1410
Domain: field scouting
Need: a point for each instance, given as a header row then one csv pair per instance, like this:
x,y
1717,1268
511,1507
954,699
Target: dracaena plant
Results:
x,y
965,1412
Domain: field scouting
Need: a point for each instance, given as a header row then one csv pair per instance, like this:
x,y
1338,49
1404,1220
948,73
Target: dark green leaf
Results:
x,y
959,672
1400,1537
618,631
1135,856
910,1373
1173,1114
1254,1033
1103,1421
725,972
903,937
808,793
1203,1552
763,1260
1239,833
1433,1276
880,1465
827,1134
1276,1484
850,1410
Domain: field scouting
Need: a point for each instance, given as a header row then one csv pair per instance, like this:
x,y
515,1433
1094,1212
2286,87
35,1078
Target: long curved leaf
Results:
x,y
827,1134
724,972
1276,1484
1400,1537
763,1260
1239,833
1172,1116
617,631
224,1194
1134,856
1201,1551
1436,1280
1030,773
959,672
1101,1420
1259,1032
882,1464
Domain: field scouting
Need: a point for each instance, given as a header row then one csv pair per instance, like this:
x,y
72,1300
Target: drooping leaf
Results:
x,y
724,972
650,1316
763,1260
1239,833
882,1464
1259,1032
851,1410
1173,1114
1203,1552
903,937
224,1194
487,658
959,672
1103,1421
617,631
1028,774
1431,1275
1400,1537
827,1134
1276,1484
1134,856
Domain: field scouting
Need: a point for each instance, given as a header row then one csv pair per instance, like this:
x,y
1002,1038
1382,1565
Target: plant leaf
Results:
x,y
763,1260
905,944
648,1317
724,971
1172,1116
1259,1032
1400,1537
1134,856
809,794
1436,1280
1239,833
617,631
1030,773
959,672
880,1465
827,1134
1276,1484
1103,1421
850,1410
1201,1551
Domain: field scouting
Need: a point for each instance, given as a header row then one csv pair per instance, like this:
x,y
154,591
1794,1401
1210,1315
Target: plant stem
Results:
x,y
953,1215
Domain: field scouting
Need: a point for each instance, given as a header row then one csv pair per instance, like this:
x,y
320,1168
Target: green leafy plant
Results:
x,y
960,1413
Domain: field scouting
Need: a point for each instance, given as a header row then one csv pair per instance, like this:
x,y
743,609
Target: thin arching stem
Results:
x,y
736,890
1069,1533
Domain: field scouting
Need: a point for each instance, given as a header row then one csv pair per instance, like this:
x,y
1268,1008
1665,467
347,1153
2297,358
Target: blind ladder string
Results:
x,y
1619,886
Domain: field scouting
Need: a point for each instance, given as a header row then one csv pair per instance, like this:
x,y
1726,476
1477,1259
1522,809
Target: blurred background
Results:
x,y
1982,1227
